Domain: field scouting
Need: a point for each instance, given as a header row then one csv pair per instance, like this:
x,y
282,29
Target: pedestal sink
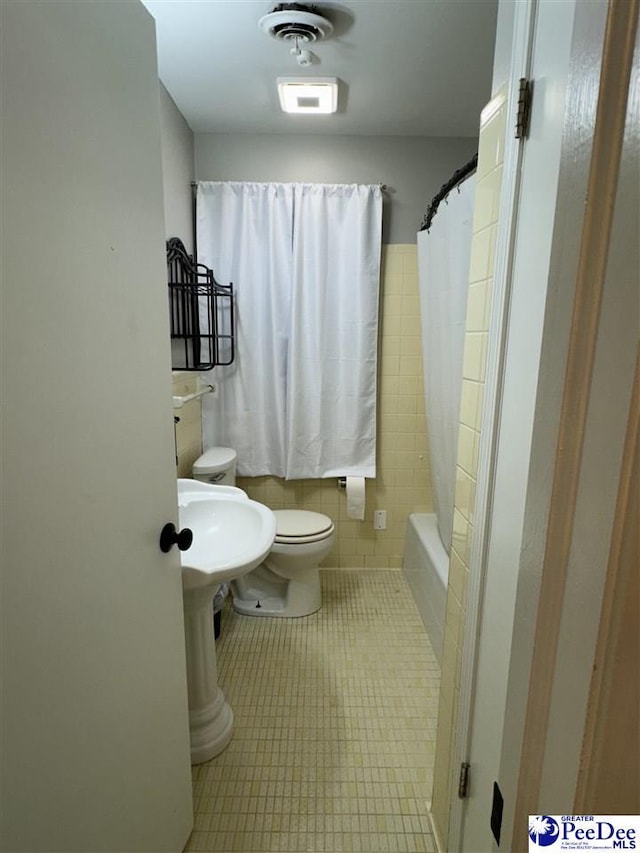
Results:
x,y
231,536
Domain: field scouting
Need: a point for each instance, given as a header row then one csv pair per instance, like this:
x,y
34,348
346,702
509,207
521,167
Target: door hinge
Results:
x,y
523,119
463,780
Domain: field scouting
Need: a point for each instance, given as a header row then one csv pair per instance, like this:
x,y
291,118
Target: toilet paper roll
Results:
x,y
355,498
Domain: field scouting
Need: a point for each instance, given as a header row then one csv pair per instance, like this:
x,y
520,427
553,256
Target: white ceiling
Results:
x,y
407,67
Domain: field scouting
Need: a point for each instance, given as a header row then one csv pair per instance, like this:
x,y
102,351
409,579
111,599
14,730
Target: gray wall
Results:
x,y
414,168
504,41
177,170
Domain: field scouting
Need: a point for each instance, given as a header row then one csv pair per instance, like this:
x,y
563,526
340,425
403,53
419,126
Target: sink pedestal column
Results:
x,y
210,717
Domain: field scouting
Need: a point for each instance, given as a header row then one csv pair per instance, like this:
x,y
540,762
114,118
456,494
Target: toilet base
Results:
x,y
261,593
272,607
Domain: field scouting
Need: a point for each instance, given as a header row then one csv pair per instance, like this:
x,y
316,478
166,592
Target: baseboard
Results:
x,y
360,568
440,847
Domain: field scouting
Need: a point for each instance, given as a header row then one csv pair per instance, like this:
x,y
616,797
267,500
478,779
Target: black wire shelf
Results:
x,y
201,311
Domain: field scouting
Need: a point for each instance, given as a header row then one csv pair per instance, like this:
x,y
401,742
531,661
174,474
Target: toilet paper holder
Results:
x,y
354,489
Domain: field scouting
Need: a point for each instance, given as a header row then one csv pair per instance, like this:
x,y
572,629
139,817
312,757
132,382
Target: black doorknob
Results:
x,y
170,537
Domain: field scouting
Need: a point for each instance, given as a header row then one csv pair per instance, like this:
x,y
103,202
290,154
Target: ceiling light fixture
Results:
x,y
299,25
303,56
308,95
290,21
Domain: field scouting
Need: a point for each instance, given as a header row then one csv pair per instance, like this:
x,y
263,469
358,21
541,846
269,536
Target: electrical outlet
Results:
x,y
380,519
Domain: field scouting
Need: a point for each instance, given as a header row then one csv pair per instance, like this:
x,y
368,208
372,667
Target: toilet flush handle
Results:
x,y
170,537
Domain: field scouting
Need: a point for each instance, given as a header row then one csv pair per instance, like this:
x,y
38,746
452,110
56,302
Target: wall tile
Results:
x,y
464,493
405,441
188,431
410,301
186,458
390,364
376,562
466,455
453,620
471,404
392,306
392,268
492,134
477,298
475,354
410,365
457,575
411,345
460,534
482,250
412,326
476,452
486,211
487,200
410,265
184,383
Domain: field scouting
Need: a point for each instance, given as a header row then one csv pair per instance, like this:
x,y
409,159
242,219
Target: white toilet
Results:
x,y
288,582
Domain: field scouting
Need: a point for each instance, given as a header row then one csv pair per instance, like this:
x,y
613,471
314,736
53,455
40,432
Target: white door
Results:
x,y
95,751
550,55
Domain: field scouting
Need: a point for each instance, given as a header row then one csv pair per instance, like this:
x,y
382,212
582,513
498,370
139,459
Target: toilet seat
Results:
x,y
300,526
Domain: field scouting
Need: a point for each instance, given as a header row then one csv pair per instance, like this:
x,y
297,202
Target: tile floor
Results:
x,y
335,724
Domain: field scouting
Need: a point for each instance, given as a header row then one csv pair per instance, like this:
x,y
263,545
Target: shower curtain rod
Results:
x,y
455,180
383,187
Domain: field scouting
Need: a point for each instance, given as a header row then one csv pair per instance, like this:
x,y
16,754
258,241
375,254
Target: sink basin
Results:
x,y
231,533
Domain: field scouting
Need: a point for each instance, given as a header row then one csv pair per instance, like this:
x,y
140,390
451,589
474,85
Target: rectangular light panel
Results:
x,y
308,95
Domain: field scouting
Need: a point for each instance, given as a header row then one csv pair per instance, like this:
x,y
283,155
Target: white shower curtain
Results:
x,y
443,260
244,234
299,401
331,411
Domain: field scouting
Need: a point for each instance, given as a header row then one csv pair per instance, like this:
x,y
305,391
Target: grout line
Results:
x,y
335,725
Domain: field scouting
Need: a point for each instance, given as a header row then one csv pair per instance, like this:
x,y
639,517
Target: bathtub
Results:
x,y
426,568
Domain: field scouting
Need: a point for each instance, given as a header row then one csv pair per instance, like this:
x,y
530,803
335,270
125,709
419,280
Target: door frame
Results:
x,y
547,499
521,50
593,414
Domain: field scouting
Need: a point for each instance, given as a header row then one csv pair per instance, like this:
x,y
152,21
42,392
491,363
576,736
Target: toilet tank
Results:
x,y
216,465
